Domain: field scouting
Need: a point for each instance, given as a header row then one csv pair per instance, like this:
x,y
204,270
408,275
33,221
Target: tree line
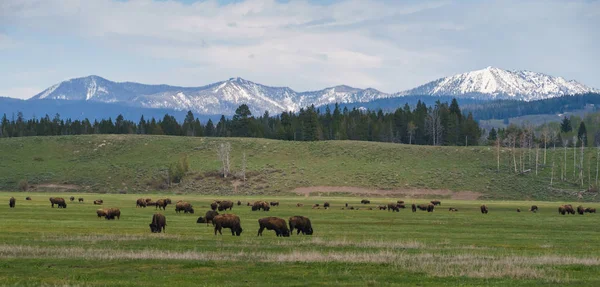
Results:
x,y
439,124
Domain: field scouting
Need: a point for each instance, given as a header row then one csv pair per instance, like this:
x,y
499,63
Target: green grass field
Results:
x,y
40,245
129,163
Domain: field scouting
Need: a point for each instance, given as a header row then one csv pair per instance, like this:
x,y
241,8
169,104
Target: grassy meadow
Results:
x,y
40,245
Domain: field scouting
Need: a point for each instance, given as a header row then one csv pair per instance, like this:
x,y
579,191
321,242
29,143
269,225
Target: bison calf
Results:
x,y
208,217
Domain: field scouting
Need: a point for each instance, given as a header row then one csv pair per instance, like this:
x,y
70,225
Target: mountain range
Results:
x,y
224,97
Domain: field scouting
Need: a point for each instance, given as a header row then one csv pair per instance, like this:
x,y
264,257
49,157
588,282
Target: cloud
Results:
x,y
388,45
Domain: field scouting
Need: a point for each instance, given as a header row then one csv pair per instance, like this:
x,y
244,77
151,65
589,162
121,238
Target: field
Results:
x,y
40,245
137,164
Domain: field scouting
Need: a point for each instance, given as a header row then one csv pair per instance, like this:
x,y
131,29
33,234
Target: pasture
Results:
x,y
40,245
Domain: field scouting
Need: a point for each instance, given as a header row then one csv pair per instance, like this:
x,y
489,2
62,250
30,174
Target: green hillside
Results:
x,y
136,164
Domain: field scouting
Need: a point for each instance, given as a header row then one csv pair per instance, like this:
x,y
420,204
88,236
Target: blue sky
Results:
x,y
306,45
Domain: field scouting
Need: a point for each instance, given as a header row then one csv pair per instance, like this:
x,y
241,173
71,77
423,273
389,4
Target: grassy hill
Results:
x,y
134,164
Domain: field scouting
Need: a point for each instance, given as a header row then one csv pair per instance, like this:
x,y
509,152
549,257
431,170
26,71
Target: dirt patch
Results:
x,y
56,186
407,193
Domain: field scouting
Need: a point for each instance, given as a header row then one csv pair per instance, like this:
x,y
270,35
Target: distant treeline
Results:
x,y
440,124
505,109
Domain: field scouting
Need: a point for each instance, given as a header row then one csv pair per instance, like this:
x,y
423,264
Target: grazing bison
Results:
x,y
226,204
533,208
299,204
98,202
151,203
274,203
326,205
239,203
258,205
562,210
162,203
452,209
80,199
590,210
101,212
518,210
230,221
302,224
141,203
158,224
436,202
394,207
414,208
400,201
186,207
11,202
382,207
273,223
28,198
580,210
365,201
148,200
423,207
72,198
484,209
208,217
214,205
569,209
58,201
111,213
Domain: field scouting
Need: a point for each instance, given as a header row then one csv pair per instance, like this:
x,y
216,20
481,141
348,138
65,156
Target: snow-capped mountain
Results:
x,y
218,98
494,83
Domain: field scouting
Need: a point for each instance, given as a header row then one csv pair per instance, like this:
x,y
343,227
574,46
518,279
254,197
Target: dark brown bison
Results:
x,y
414,207
158,224
80,199
28,198
302,224
452,209
580,210
186,207
365,201
98,202
151,203
72,198
590,210
518,210
101,212
148,200
214,206
562,210
141,203
315,205
11,202
261,205
382,207
58,201
400,201
423,207
394,207
484,209
569,209
326,205
208,217
273,223
299,204
274,203
162,203
111,213
239,203
230,221
226,204
346,204
533,208
436,202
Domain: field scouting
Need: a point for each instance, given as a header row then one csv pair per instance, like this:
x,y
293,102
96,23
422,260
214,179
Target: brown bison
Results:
x,y
365,201
590,210
423,207
436,202
98,202
148,200
400,201
414,207
261,205
302,224
214,205
382,207
28,198
80,199
58,201
326,205
162,203
273,223
452,209
186,207
274,203
111,213
226,204
569,209
158,224
580,210
101,212
141,203
72,198
151,203
299,204
230,221
518,210
562,210
533,208
239,203
394,207
11,202
484,209
208,217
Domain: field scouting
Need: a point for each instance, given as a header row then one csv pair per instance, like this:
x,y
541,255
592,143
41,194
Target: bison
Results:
x,y
58,201
326,205
186,207
148,200
436,202
258,205
569,209
580,210
299,204
518,210
239,203
393,207
562,210
98,202
162,203
423,207
365,201
101,212
273,223
382,207
80,199
226,204
452,209
400,201
72,198
141,203
533,208
302,224
414,208
111,213
208,217
158,224
214,205
274,203
11,202
230,221
28,198
484,209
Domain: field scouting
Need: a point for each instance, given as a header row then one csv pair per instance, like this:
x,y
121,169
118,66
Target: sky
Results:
x,y
389,45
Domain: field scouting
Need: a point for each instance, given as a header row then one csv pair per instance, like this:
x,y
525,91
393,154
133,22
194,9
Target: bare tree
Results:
x,y
411,131
434,125
537,154
223,153
545,134
574,157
